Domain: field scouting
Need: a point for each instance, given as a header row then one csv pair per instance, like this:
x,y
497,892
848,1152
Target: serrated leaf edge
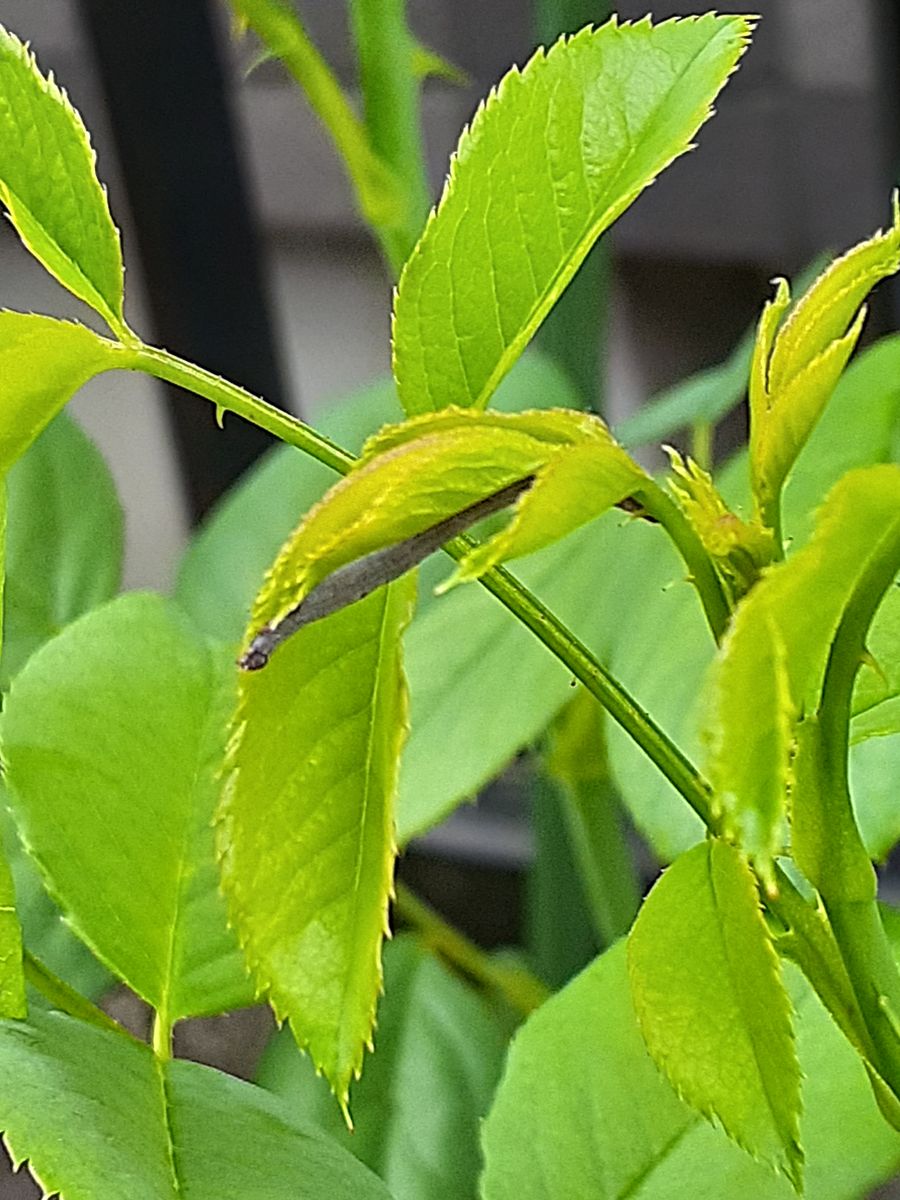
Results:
x,y
515,77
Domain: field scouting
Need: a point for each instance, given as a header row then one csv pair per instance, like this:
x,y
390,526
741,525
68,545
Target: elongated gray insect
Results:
x,y
358,579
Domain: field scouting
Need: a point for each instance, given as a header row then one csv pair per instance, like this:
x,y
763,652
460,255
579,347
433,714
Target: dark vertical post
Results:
x,y
171,119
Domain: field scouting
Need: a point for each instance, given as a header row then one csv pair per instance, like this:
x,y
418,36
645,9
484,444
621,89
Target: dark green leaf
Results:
x,y
96,1115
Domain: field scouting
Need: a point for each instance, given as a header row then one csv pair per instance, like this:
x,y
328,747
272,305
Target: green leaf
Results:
x,y
226,562
46,934
581,1111
43,363
113,736
64,540
12,979
48,183
306,824
415,476
95,1115
520,210
772,662
796,367
418,1107
711,1005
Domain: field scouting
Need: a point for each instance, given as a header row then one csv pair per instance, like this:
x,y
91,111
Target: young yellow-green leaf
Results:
x,y
43,362
95,1114
770,667
740,549
415,476
113,737
521,209
797,364
49,185
306,823
711,1005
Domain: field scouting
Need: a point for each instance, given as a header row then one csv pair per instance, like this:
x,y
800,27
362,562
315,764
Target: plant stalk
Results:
x,y
522,990
390,89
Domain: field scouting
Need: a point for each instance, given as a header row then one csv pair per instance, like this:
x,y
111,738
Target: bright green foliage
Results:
x,y
12,980
876,698
412,476
96,1115
521,209
306,828
64,539
43,362
797,364
49,185
417,1108
227,561
113,736
711,1005
46,934
771,665
666,674
582,1111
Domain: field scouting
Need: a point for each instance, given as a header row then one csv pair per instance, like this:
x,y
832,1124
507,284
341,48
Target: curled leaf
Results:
x,y
797,362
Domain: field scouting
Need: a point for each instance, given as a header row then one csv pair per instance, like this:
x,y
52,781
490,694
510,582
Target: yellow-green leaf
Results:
x,y
711,1005
306,823
49,185
797,364
43,362
770,667
415,476
522,207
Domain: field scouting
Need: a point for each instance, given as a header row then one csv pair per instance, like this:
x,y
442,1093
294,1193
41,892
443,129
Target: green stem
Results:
x,y
522,990
573,653
702,444
622,707
390,88
378,193
703,574
228,397
66,999
844,875
162,1036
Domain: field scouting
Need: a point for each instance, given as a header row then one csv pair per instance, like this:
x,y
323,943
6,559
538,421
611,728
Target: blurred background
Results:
x,y
244,250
